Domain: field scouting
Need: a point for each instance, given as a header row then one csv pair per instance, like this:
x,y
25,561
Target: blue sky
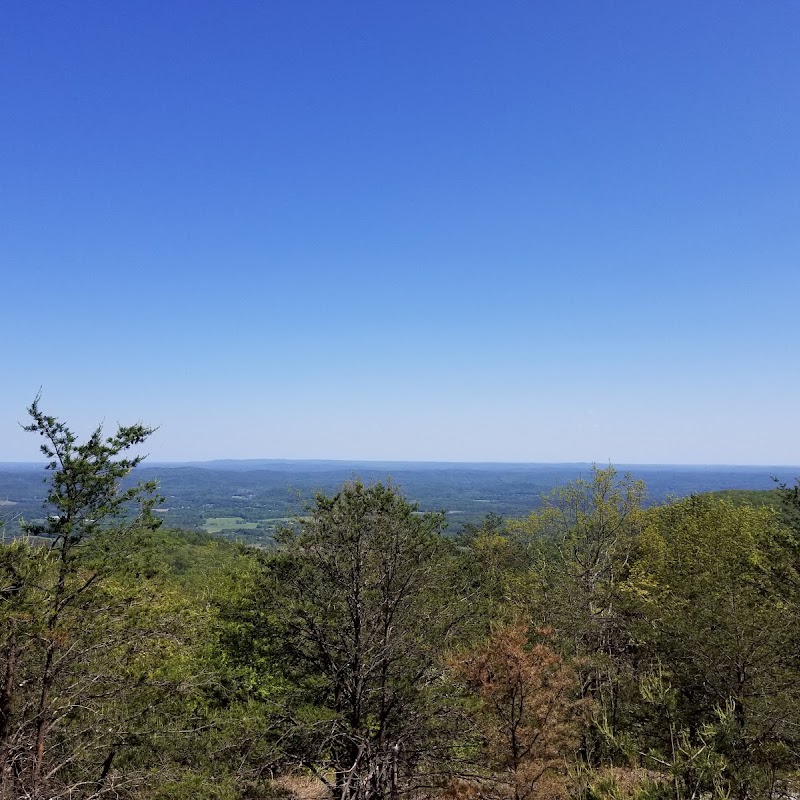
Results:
x,y
417,230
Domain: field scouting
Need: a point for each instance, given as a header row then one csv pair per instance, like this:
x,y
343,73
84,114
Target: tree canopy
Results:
x,y
596,648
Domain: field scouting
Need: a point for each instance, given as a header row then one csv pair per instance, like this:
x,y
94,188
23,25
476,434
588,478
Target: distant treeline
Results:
x,y
263,494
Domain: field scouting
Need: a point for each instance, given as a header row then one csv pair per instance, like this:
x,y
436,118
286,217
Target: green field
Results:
x,y
220,524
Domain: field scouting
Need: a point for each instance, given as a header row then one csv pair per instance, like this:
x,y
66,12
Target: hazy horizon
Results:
x,y
619,466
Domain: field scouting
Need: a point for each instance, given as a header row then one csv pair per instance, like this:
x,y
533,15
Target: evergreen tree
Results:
x,y
70,631
359,615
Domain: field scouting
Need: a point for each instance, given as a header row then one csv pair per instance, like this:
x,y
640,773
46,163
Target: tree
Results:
x,y
718,618
494,565
584,537
66,623
358,615
528,716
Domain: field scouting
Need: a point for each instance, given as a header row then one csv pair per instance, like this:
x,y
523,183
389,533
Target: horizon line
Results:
x,y
347,461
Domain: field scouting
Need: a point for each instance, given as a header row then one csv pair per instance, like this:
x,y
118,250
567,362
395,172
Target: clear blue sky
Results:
x,y
405,230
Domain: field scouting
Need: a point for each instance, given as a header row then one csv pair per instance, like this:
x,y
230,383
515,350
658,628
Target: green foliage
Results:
x,y
581,544
357,615
144,663
742,497
720,625
494,570
81,639
84,496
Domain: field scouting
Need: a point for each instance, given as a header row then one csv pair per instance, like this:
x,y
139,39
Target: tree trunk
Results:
x,y
6,700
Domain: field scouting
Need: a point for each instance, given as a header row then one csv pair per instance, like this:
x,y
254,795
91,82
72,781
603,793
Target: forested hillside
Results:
x,y
594,647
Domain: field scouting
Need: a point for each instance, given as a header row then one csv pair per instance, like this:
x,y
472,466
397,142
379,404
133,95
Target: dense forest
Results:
x,y
595,648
